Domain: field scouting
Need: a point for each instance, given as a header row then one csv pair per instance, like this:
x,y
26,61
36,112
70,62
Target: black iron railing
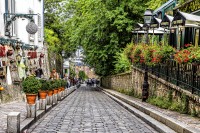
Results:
x,y
186,76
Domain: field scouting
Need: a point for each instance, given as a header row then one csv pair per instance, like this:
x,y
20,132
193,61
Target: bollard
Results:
x,y
42,104
50,100
13,122
31,110
55,98
65,92
59,96
62,94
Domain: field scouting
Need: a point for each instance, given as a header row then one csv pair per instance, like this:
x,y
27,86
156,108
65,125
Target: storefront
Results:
x,y
186,27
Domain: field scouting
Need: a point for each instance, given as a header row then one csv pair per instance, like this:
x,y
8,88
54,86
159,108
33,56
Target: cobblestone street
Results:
x,y
87,110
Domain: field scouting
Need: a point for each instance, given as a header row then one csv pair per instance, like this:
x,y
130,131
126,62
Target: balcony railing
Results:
x,y
186,76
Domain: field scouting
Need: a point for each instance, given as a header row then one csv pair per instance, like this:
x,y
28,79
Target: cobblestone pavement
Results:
x,y
5,109
87,110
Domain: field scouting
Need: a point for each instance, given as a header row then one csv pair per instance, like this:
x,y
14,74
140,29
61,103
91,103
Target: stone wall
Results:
x,y
157,87
11,93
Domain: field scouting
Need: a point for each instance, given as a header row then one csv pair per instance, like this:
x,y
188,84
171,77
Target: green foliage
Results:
x,y
160,102
102,28
154,4
129,92
52,39
136,53
53,84
122,64
194,113
31,85
45,84
128,49
176,106
63,83
170,96
185,103
72,72
82,75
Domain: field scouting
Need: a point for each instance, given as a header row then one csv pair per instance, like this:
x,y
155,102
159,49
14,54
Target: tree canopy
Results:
x,y
101,27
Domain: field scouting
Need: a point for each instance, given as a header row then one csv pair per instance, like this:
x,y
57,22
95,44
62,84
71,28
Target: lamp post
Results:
x,y
63,55
145,86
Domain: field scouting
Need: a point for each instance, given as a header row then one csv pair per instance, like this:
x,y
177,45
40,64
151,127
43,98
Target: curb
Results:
x,y
167,121
40,113
158,126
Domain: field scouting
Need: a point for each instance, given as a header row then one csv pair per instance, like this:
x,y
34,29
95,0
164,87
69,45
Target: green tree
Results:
x,y
82,75
102,28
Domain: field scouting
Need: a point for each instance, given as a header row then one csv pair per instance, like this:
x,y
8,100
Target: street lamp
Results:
x,y
63,55
147,21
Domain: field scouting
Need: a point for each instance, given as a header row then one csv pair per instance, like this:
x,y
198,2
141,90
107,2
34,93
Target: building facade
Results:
x,y
22,49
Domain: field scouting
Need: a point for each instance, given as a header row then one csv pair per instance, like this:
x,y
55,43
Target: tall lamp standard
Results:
x,y
145,87
63,55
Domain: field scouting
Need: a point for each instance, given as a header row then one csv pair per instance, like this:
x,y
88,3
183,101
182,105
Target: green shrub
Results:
x,y
31,85
122,63
185,103
45,85
176,106
194,113
160,102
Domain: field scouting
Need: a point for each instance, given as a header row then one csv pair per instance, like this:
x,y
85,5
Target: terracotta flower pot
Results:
x,y
59,90
31,98
42,94
55,91
50,93
63,88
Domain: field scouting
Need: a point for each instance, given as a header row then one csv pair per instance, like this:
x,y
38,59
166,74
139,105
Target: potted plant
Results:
x,y
59,85
54,86
44,88
30,86
50,88
63,84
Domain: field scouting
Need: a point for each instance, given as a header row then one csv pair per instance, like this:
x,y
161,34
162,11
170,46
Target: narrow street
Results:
x,y
87,110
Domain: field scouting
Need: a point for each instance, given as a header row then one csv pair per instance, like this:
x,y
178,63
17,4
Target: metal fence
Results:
x,y
186,76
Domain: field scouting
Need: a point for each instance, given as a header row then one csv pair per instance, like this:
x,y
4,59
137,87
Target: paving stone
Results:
x,y
91,111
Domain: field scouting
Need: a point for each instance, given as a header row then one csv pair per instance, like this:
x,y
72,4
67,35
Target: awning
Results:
x,y
166,21
185,19
138,26
155,22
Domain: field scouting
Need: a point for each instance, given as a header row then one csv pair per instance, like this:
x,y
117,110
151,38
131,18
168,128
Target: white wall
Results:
x,y
2,10
23,6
